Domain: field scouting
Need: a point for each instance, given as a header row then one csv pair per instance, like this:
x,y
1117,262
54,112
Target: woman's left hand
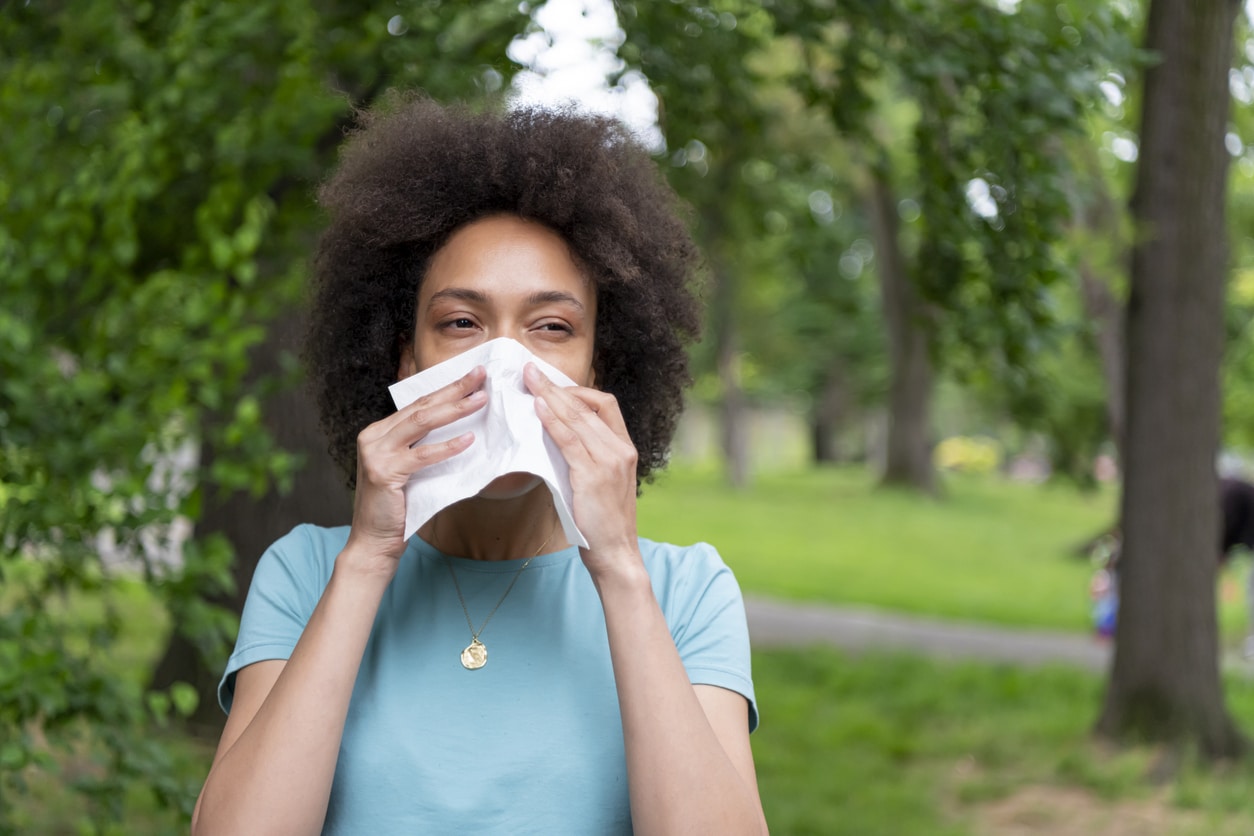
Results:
x,y
588,427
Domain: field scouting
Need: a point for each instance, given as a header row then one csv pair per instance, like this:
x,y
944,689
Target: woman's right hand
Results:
x,y
389,452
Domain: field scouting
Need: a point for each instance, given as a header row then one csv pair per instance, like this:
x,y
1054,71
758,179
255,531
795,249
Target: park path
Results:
x,y
778,623
775,623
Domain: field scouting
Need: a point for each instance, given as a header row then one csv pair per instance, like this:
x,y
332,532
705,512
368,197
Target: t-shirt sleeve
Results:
x,y
709,625
285,588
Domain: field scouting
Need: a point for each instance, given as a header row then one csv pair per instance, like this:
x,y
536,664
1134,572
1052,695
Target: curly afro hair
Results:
x,y
414,172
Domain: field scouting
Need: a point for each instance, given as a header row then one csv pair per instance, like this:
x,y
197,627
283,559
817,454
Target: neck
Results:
x,y
497,529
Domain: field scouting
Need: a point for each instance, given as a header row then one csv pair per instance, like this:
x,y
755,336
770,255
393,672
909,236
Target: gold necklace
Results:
x,y
475,656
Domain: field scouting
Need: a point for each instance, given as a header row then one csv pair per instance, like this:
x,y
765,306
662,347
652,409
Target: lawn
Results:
x,y
899,745
988,550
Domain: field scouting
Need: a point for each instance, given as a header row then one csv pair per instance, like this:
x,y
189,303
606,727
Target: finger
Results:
x,y
597,421
560,398
441,407
459,389
572,445
583,436
425,455
418,423
577,413
397,468
604,405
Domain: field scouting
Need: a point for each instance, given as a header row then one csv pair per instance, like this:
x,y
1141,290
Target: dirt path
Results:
x,y
778,623
774,623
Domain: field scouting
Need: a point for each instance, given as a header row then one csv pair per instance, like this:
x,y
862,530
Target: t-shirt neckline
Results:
x,y
424,551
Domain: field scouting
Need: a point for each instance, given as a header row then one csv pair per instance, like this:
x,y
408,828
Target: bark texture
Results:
x,y
1164,682
908,454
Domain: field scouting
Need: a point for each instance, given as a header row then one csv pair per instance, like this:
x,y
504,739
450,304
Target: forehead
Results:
x,y
504,255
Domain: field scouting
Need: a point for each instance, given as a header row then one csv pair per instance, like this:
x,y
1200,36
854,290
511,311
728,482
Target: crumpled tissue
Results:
x,y
509,437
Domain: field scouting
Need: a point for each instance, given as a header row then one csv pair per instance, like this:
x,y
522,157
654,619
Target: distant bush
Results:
x,y
969,454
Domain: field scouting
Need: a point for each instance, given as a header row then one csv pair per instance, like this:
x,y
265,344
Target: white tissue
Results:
x,y
509,437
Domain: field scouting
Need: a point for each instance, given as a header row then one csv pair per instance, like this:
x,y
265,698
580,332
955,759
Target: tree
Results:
x,y
455,53
155,179
315,493
695,57
760,169
986,88
1164,682
1099,230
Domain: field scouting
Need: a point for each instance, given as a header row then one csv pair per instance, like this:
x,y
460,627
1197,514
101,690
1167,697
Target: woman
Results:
x,y
617,695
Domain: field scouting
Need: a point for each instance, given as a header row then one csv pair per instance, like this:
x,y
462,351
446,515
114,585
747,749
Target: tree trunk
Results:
x,y
1097,219
1104,310
827,416
1164,682
250,523
733,408
909,444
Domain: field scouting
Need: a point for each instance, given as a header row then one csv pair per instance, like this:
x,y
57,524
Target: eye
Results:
x,y
555,327
459,323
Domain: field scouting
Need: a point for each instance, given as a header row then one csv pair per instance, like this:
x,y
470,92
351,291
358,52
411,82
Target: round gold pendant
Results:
x,y
475,656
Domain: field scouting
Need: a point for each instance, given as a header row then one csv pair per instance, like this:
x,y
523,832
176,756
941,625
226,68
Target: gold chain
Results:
x,y
474,634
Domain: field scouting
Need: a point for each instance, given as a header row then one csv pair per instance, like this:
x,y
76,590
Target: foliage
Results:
x,y
776,114
994,95
1065,405
767,177
156,177
1239,362
1238,380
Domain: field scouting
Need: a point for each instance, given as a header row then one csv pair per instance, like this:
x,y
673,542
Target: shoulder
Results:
x,y
696,558
682,576
311,542
304,557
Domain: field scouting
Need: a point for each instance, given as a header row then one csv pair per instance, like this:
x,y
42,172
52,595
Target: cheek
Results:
x,y
407,366
579,369
429,352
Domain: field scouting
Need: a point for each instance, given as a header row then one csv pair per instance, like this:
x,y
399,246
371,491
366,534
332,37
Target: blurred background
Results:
x,y
954,377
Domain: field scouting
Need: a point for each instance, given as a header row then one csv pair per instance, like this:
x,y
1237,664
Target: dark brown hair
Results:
x,y
415,171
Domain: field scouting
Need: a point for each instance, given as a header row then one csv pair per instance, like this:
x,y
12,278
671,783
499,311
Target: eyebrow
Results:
x,y
543,297
460,294
548,297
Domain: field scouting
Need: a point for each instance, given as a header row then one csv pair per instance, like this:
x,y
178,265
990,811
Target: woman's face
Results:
x,y
502,276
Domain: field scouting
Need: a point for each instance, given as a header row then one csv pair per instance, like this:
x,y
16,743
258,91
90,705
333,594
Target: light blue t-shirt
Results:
x,y
530,743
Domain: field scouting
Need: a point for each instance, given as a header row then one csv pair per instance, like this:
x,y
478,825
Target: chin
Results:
x,y
511,486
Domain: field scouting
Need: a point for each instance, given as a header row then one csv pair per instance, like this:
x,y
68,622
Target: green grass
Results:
x,y
899,745
989,550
